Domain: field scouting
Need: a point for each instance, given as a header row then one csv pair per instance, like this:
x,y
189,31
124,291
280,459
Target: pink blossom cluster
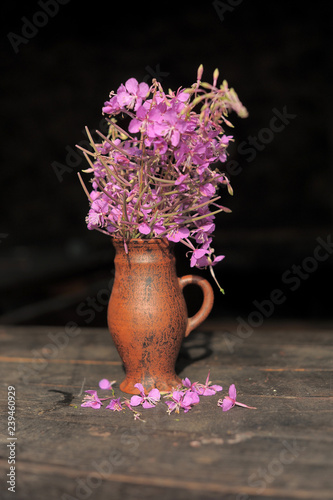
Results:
x,y
153,177
184,397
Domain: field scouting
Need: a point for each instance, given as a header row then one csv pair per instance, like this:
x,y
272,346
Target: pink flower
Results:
x,y
207,190
180,182
143,228
112,106
105,384
146,401
207,261
153,178
91,400
178,233
171,127
202,257
183,96
132,93
145,120
97,213
189,385
229,402
207,389
115,405
197,256
182,400
201,235
158,228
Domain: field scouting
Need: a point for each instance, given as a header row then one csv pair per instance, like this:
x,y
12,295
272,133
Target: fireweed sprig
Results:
x,y
183,397
153,176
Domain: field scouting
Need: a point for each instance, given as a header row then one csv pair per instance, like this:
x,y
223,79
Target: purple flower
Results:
x,y
201,235
171,127
106,384
153,178
158,228
112,106
143,228
146,401
182,96
97,213
207,189
207,389
202,257
183,400
132,93
115,405
145,121
207,261
182,186
229,402
178,233
91,400
197,256
189,385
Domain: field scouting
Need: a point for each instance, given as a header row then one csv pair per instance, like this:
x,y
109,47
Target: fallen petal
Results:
x,y
227,404
136,400
141,388
104,383
217,388
154,394
147,404
232,391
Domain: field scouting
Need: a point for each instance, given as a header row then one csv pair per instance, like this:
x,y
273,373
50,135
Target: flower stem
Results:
x,y
84,187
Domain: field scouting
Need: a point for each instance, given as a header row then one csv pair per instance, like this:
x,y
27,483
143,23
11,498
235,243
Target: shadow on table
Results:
x,y
194,348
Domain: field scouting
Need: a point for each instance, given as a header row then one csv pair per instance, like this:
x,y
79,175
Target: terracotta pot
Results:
x,y
147,314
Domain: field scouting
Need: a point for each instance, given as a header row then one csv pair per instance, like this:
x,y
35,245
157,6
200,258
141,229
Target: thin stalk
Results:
x,y
142,148
163,181
138,201
84,187
119,179
215,279
102,231
192,209
112,144
125,216
106,193
88,160
169,193
192,219
90,153
105,165
91,140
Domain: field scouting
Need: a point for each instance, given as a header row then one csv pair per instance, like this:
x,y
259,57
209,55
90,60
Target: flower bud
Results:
x,y
200,72
215,76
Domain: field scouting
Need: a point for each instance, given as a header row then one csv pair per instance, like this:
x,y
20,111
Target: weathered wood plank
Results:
x,y
219,468
66,484
280,450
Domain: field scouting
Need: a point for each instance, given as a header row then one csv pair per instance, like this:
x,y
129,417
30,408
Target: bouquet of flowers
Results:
x,y
152,177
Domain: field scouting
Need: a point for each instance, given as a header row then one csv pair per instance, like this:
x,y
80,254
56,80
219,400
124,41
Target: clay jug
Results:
x,y
147,313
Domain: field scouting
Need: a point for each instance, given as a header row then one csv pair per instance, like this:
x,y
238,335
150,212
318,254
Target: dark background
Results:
x,y
278,57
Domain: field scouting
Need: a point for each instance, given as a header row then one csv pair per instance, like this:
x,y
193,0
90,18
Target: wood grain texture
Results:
x,y
282,450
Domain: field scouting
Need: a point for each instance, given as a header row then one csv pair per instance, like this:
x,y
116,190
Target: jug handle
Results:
x,y
207,304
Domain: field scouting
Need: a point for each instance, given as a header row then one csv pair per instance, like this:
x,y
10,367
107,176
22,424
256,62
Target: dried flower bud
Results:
x,y
215,76
200,72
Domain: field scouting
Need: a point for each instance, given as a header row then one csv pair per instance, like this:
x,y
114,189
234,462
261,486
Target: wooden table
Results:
x,y
284,449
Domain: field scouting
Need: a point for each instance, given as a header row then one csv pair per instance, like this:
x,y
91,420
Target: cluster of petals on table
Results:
x,y
184,397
